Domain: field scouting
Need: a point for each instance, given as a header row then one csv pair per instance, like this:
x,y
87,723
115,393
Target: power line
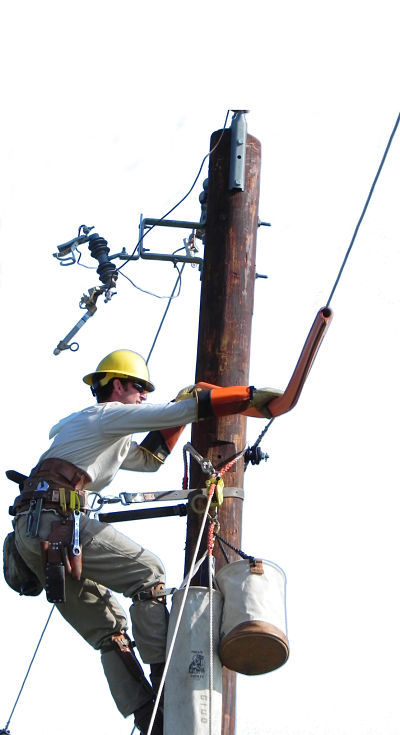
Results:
x,y
184,197
149,293
371,191
178,280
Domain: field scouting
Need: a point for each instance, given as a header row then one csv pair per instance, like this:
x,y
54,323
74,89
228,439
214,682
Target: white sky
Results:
x,y
107,112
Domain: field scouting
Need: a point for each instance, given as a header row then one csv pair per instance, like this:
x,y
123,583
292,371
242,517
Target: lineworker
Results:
x,y
87,450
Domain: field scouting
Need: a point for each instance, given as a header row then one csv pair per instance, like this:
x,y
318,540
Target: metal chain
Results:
x,y
239,552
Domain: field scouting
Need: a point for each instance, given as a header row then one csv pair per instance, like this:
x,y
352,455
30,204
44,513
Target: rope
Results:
x,y
230,464
210,547
211,489
179,618
29,668
371,191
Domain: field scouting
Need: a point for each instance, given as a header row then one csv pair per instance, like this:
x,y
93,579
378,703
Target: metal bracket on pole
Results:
x,y
148,222
237,170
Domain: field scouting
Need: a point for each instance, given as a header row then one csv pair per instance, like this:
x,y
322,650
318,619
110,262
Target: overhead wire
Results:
x,y
355,233
364,210
178,280
144,234
172,209
185,195
172,295
149,293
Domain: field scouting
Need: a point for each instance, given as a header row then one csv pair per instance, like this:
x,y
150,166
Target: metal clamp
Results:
x,y
205,464
198,498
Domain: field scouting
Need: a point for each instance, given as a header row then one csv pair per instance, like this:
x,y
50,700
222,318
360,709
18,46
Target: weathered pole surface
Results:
x,y
223,354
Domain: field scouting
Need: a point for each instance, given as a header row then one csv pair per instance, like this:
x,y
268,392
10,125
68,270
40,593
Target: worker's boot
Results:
x,y
143,717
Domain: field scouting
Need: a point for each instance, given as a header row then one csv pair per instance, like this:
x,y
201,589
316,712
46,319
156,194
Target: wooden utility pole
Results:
x,y
223,354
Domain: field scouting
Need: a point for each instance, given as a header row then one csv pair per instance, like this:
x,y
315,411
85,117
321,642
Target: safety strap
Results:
x,y
123,646
155,593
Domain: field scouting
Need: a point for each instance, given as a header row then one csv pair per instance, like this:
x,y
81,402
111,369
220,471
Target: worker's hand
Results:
x,y
189,392
261,398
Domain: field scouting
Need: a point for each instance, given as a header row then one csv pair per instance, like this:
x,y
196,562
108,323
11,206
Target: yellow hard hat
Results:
x,y
120,364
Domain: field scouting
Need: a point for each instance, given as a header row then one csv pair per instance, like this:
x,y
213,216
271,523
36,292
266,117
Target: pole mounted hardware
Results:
x,y
147,223
254,455
106,271
197,233
88,301
99,250
237,168
66,251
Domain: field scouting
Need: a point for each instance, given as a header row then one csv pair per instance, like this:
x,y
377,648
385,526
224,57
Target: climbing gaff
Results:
x,y
284,403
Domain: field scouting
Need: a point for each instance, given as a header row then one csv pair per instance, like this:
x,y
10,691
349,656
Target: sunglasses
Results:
x,y
138,387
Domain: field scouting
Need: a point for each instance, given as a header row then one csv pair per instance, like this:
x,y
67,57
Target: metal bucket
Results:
x,y
253,626
187,686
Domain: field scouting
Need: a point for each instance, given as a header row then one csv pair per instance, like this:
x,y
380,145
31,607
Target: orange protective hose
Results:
x,y
284,403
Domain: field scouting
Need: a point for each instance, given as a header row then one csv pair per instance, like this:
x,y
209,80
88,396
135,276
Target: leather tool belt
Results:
x,y
65,487
54,484
64,500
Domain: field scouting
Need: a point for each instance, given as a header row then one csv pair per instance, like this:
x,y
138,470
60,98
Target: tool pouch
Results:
x,y
16,573
55,582
58,559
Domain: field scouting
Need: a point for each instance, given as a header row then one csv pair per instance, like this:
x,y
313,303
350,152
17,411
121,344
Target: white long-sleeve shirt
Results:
x,y
98,439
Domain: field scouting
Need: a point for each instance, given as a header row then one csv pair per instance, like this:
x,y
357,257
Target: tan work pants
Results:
x,y
110,561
